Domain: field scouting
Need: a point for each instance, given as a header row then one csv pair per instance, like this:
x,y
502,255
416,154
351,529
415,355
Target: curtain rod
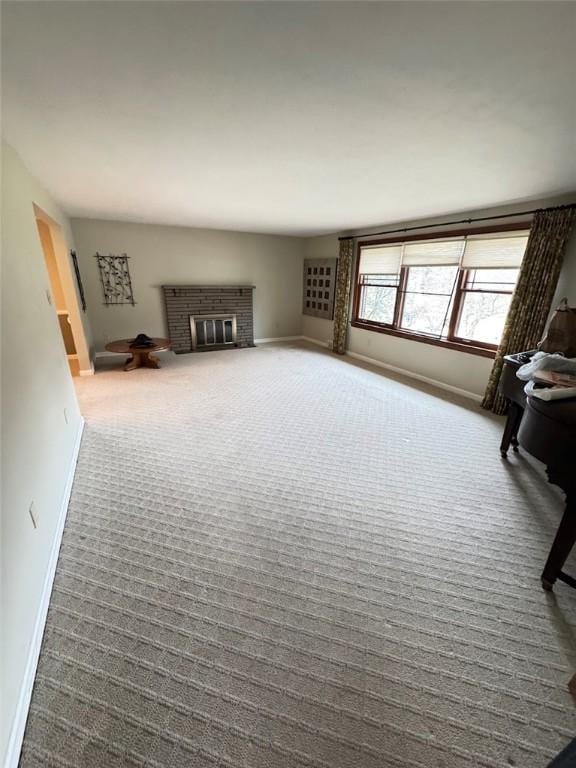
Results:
x,y
460,221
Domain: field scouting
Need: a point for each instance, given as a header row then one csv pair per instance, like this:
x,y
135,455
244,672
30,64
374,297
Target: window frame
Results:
x,y
451,341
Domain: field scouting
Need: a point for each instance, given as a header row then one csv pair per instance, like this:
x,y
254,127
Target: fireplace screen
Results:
x,y
212,331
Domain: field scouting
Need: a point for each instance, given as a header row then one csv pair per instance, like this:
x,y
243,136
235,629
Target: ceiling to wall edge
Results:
x,y
517,206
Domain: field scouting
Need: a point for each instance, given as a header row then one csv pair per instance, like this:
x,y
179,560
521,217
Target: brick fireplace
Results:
x,y
184,303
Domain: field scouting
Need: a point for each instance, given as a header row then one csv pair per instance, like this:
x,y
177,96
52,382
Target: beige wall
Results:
x,y
567,281
456,369
166,255
38,439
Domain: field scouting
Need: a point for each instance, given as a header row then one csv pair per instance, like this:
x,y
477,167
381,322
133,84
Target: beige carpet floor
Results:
x,y
275,558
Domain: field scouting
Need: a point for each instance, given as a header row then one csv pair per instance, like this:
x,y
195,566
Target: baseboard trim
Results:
x,y
325,344
16,737
417,376
267,340
87,371
104,353
277,338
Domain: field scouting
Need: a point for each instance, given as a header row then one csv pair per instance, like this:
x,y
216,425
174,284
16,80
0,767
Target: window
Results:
x,y
453,290
427,299
379,274
485,300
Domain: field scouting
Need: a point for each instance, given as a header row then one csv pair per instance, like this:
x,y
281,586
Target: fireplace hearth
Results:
x,y
203,317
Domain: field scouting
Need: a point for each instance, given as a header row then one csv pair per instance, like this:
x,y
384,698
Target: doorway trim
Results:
x,y
69,289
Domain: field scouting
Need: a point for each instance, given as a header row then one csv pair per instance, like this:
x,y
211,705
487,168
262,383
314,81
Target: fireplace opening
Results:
x,y
209,331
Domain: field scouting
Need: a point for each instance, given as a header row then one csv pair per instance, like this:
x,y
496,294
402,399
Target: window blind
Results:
x,y
433,253
491,251
380,260
495,251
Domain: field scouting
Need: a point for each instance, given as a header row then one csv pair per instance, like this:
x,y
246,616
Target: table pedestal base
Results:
x,y
141,358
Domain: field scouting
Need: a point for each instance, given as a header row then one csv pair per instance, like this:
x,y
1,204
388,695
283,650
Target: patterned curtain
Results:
x,y
342,298
532,299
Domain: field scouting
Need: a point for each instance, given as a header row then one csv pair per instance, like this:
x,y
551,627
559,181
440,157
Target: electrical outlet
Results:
x,y
33,515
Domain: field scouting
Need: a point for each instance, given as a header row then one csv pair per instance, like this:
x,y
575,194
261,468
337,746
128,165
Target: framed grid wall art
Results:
x,y
319,286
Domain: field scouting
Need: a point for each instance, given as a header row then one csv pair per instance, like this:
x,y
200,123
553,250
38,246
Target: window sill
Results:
x,y
460,346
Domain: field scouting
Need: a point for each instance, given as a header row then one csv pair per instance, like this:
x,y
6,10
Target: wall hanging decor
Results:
x,y
78,280
115,279
319,283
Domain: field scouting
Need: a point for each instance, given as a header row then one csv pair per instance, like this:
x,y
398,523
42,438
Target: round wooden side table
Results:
x,y
142,357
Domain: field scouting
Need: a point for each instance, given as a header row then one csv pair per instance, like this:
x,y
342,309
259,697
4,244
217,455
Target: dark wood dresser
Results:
x,y
512,389
546,430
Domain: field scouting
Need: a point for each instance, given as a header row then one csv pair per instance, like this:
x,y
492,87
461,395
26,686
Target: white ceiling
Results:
x,y
295,118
